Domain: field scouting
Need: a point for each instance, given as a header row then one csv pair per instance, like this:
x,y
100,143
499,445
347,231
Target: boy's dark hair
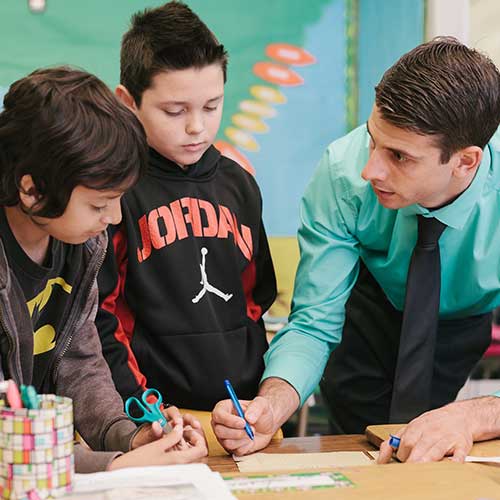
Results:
x,y
446,89
170,37
65,128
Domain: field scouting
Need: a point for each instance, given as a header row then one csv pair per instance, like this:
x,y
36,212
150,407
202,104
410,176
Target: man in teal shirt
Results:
x,y
429,150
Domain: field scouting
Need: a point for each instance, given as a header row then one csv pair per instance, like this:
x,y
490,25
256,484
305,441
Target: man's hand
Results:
x,y
230,429
447,431
164,451
276,401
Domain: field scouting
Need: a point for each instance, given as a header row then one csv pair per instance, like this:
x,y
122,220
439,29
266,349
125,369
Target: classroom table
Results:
x,y
434,481
354,442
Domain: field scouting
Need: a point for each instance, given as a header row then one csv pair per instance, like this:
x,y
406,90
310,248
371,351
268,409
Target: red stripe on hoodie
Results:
x,y
249,275
116,305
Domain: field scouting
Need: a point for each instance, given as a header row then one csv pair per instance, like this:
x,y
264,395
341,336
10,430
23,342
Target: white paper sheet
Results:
x,y
174,482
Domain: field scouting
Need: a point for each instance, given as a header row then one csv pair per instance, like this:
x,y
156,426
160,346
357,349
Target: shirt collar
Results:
x,y
455,214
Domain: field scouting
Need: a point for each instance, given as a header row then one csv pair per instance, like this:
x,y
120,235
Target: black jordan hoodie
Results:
x,y
187,277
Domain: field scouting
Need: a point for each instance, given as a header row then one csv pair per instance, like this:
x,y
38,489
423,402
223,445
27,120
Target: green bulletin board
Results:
x,y
301,73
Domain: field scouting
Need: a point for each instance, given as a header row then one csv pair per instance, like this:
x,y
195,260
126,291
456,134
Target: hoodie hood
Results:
x,y
202,170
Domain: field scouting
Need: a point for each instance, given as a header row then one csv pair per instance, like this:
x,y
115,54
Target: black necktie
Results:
x,y
413,377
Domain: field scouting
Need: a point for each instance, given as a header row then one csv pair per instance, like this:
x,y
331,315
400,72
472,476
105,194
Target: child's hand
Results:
x,y
173,415
189,422
163,452
196,441
152,432
192,424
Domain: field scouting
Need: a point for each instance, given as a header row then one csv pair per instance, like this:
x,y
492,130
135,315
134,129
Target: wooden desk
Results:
x,y
355,442
436,481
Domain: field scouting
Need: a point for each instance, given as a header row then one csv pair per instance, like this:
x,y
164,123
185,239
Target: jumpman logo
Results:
x,y
207,287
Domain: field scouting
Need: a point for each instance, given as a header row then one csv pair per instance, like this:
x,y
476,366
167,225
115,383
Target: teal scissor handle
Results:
x,y
151,412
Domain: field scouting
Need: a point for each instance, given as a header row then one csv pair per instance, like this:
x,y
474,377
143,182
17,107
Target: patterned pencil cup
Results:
x,y
36,450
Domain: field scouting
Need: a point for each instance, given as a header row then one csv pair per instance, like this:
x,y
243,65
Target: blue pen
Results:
x,y
394,441
238,408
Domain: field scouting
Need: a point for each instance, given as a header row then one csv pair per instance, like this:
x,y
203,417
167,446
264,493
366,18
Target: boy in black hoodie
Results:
x,y
188,273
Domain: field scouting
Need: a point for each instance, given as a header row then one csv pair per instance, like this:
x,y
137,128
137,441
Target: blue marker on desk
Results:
x,y
238,408
394,441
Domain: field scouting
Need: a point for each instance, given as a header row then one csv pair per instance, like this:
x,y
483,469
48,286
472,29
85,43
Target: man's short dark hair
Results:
x,y
65,128
445,89
170,37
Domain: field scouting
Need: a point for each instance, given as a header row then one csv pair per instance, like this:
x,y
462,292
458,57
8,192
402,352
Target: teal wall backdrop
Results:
x,y
387,29
301,72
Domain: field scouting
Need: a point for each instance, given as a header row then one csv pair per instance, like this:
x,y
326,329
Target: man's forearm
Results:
x,y
484,415
282,397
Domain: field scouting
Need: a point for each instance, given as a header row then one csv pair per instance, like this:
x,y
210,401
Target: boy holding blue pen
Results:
x,y
69,150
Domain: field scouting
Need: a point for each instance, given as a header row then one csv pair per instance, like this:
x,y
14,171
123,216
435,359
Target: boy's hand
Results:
x,y
189,422
229,428
193,424
152,432
163,452
172,413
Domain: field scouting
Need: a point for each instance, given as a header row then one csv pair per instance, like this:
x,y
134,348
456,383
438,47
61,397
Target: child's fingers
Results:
x,y
197,444
172,413
156,430
191,420
182,445
171,439
194,438
146,434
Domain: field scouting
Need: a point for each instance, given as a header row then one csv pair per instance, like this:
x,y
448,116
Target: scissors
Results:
x,y
151,412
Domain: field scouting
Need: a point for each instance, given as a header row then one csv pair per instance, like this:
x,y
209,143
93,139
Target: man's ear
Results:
x,y
126,98
28,195
469,159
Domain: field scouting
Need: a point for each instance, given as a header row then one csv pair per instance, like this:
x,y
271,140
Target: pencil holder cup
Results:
x,y
36,450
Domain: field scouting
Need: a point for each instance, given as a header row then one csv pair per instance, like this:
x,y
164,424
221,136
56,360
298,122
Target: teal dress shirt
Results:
x,y
342,221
